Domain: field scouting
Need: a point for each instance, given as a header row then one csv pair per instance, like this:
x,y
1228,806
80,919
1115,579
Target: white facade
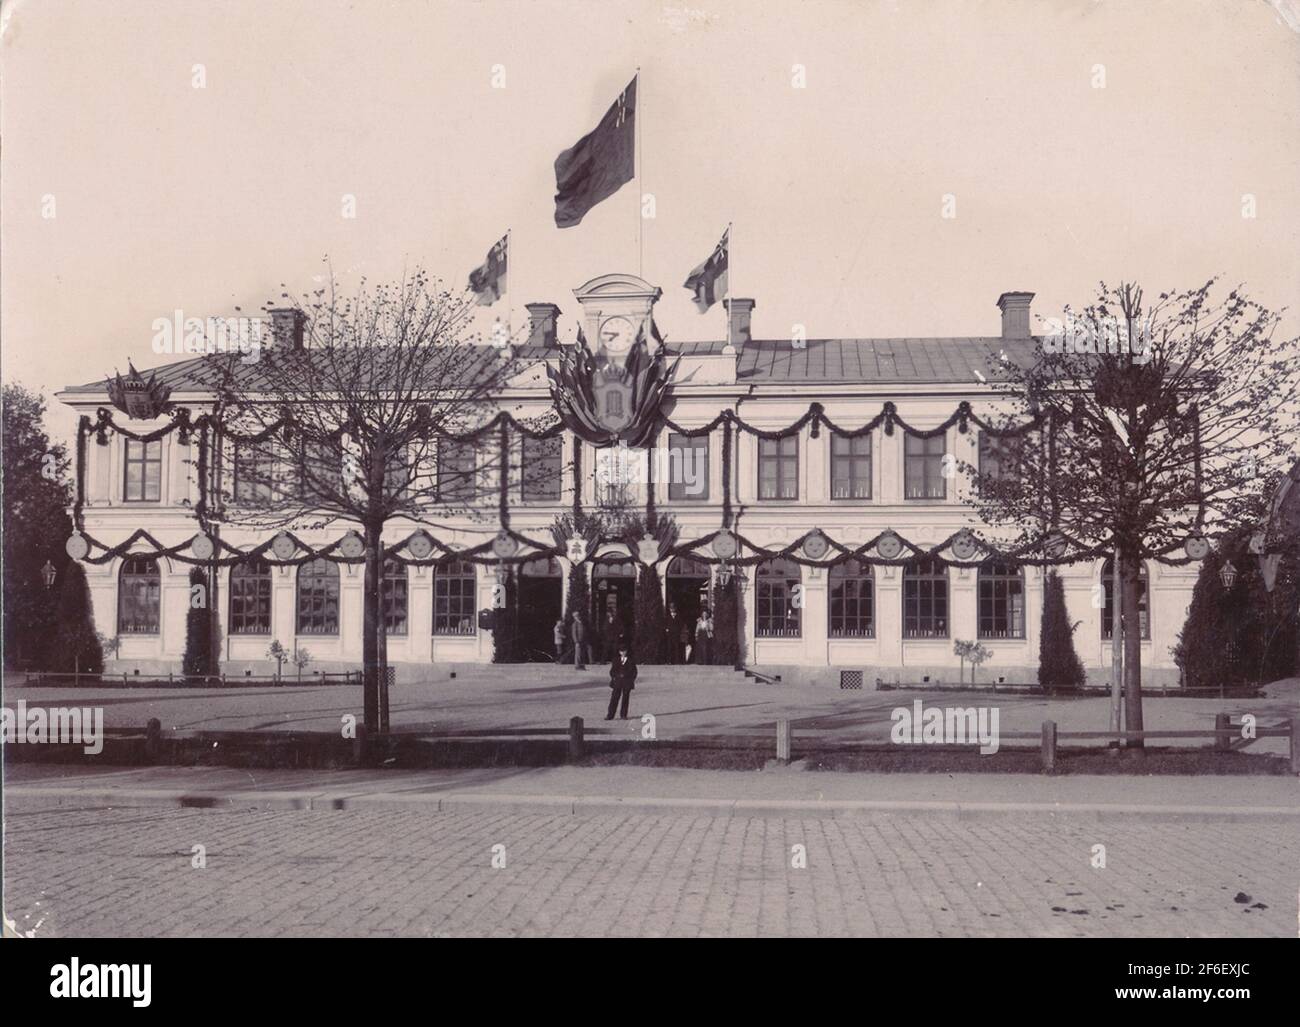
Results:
x,y
707,382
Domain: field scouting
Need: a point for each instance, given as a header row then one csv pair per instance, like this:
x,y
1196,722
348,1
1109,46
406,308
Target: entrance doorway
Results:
x,y
541,600
613,592
688,590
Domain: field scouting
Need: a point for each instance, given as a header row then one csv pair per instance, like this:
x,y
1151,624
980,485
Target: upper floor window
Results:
x,y
457,468
321,471
851,466
923,466
143,471
1108,612
778,599
138,597
1001,601
395,597
318,598
999,456
250,598
925,600
541,470
254,473
852,607
688,467
778,468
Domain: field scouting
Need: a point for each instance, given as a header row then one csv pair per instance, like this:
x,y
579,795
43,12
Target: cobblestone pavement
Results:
x,y
126,870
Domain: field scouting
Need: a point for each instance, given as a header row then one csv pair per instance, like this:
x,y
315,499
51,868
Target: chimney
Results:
x,y
288,326
739,313
1015,314
542,324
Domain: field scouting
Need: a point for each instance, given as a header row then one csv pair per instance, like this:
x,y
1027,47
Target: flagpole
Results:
x,y
636,113
726,307
510,259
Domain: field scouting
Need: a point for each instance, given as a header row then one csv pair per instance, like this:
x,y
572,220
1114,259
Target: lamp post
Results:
x,y
1228,575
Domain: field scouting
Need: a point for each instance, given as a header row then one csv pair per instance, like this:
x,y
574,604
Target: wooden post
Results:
x,y
152,738
1049,746
359,745
1222,722
783,741
577,749
1295,746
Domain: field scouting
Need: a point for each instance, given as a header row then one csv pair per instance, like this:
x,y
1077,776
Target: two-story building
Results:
x,y
898,624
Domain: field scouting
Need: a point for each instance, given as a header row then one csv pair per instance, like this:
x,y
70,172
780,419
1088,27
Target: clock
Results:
x,y
617,335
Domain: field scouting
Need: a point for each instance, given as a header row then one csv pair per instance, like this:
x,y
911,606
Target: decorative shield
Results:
x,y
889,546
1055,545
1268,568
815,546
1257,541
77,547
284,546
614,409
504,546
420,545
964,546
1196,547
352,545
724,545
202,547
576,550
647,550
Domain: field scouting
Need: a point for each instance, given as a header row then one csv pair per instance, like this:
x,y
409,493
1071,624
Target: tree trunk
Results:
x,y
370,630
1131,592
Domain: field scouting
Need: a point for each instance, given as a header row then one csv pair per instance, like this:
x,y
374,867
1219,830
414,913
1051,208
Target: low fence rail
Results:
x,y
347,677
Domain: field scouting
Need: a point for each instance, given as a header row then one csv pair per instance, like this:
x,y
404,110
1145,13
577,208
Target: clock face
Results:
x,y
617,335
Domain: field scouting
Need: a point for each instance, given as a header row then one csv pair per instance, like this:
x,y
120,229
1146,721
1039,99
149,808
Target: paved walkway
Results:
x,y
512,855
686,703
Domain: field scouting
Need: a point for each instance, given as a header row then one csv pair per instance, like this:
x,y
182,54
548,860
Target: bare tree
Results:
x,y
1158,421
352,416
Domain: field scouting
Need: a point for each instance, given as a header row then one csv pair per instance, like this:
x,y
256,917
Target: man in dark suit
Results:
x,y
622,679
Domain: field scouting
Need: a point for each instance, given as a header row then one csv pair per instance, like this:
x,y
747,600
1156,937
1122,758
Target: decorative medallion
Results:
x,y
964,546
1055,545
1196,547
647,550
352,545
724,545
1257,543
816,546
140,400
202,547
77,547
504,546
889,546
604,399
576,549
420,545
284,546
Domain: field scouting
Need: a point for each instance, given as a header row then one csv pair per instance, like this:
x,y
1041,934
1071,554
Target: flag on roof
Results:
x,y
709,280
599,163
488,280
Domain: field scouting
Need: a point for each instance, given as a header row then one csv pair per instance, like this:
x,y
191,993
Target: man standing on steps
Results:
x,y
579,635
622,679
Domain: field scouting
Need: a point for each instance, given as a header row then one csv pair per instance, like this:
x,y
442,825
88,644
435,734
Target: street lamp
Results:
x,y
1228,574
48,573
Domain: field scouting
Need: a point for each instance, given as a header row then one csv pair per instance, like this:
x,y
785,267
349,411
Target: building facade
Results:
x,y
895,624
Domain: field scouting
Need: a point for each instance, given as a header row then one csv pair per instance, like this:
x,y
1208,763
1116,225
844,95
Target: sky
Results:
x,y
194,156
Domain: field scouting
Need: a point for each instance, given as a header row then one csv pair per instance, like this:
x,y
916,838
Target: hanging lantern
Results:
x,y
48,574
1228,574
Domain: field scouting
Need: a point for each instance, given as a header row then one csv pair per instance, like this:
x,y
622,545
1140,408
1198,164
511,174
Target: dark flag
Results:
x,y
709,280
488,281
598,164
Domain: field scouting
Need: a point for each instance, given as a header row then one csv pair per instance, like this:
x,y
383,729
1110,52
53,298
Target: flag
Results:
x,y
709,280
488,280
599,163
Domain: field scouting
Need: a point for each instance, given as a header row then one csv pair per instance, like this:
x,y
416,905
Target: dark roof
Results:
x,y
848,361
